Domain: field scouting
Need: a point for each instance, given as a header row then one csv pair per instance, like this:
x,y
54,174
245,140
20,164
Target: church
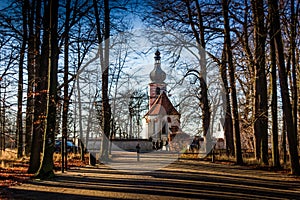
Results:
x,y
162,118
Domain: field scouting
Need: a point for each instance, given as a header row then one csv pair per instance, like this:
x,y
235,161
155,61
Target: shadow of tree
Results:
x,y
179,180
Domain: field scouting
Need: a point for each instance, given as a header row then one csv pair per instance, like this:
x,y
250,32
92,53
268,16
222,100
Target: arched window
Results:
x,y
164,129
157,91
169,119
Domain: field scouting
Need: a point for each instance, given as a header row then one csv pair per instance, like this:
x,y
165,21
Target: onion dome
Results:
x,y
157,75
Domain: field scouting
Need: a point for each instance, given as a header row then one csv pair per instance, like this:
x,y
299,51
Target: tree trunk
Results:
x,y
294,63
20,82
106,110
283,144
235,115
50,42
198,32
228,129
80,120
31,61
64,151
39,102
261,99
274,104
1,119
89,122
2,115
287,108
104,59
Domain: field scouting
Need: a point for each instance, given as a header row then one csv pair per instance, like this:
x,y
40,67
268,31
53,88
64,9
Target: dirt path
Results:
x,y
180,180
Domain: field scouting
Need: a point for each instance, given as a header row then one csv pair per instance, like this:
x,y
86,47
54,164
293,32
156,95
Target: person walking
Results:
x,y
161,145
138,148
167,145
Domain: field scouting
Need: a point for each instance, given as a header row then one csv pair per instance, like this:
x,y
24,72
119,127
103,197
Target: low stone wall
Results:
x,y
129,145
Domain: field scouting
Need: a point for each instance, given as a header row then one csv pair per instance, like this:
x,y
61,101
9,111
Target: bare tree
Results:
x,y
103,42
228,126
25,5
199,34
240,13
274,96
231,70
32,63
66,90
50,56
39,96
261,99
293,27
287,109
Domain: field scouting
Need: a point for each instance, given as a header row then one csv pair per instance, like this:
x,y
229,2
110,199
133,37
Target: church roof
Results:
x,y
163,106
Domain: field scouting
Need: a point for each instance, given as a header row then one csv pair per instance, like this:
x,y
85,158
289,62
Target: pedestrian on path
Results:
x,y
138,151
167,145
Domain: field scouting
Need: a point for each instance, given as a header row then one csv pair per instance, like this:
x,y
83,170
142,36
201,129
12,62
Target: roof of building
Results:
x,y
162,106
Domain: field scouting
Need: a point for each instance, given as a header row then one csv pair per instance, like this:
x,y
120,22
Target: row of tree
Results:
x,y
42,34
257,55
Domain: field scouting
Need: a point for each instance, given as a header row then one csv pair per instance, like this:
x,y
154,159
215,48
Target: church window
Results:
x,y
169,119
164,129
157,91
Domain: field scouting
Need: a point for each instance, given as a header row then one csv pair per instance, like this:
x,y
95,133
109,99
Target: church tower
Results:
x,y
157,77
162,119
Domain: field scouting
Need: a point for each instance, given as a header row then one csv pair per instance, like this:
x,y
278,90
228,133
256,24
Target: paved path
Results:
x,y
179,180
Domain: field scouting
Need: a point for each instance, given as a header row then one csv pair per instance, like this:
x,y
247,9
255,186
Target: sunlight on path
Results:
x,y
179,180
127,161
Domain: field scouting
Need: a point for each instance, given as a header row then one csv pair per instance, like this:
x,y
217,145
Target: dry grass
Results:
x,y
191,156
8,154
248,159
73,160
9,159
13,171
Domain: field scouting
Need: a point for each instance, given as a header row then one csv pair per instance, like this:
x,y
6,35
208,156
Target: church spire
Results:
x,y
157,75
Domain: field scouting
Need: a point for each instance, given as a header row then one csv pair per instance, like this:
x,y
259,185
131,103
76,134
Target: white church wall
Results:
x,y
157,122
